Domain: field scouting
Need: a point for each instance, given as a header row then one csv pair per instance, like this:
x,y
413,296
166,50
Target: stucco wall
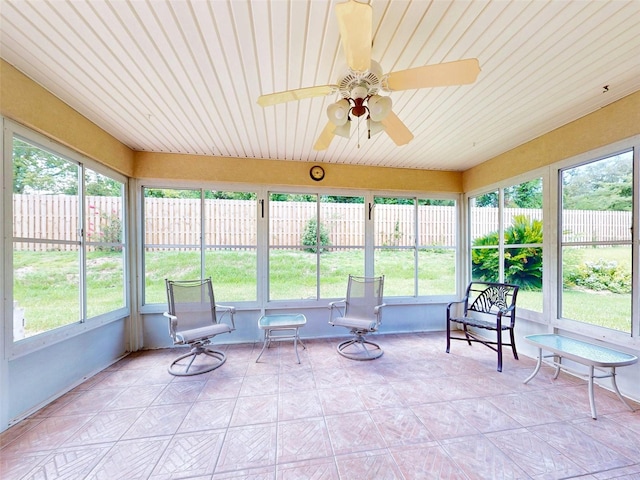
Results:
x,y
615,122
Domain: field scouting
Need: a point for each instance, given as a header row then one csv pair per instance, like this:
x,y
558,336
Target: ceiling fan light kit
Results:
x,y
364,79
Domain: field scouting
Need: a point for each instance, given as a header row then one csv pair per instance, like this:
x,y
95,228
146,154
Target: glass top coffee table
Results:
x,y
282,326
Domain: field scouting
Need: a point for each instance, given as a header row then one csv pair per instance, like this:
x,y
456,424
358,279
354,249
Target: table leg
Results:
x,y
266,338
558,364
592,402
615,387
537,369
295,344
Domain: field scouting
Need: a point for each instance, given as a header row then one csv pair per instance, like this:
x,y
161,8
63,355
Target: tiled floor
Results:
x,y
414,413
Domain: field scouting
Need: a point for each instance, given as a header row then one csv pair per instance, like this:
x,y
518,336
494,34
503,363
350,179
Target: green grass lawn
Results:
x,y
46,284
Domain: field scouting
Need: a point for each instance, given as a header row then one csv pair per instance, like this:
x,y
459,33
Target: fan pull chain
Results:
x,y
359,132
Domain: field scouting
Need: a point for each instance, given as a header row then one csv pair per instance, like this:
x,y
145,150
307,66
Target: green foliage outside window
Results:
x,y
312,238
523,265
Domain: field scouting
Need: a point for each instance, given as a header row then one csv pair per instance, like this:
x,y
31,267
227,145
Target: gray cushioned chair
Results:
x,y
193,321
361,313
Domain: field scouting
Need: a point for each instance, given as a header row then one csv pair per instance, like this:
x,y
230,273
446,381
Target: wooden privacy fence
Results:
x,y
232,223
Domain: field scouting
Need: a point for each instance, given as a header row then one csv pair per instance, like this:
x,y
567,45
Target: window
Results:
x,y
68,243
315,242
415,243
194,233
105,252
507,237
231,239
485,237
597,200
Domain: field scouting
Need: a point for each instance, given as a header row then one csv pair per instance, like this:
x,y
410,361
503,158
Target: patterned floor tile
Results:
x,y
587,452
373,464
340,400
105,427
260,473
426,461
353,432
248,447
317,469
379,396
256,409
534,455
609,432
16,466
399,426
299,404
221,387
483,415
180,392
136,396
50,434
302,440
296,380
331,378
90,401
208,415
69,463
478,458
524,410
133,459
158,420
18,429
189,455
443,420
416,412
259,385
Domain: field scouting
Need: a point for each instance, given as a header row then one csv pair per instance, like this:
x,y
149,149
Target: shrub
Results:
x,y
310,236
111,232
600,276
523,265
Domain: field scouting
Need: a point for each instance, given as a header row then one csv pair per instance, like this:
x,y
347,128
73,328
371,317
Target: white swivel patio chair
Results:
x,y
360,312
193,321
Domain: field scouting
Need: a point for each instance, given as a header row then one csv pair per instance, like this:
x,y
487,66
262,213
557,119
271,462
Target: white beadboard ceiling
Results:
x,y
183,76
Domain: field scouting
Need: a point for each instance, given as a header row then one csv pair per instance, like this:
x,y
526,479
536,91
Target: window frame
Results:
x,y
202,247
499,187
21,347
580,327
263,194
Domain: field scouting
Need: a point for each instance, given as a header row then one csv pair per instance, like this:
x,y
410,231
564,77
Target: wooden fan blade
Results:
x,y
461,72
355,23
324,140
397,130
297,94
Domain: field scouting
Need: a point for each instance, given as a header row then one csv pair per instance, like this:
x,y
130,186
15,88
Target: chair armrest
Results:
x,y
227,310
377,311
338,305
377,308
173,324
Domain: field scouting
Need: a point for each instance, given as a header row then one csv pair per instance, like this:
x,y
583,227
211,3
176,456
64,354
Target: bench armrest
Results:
x,y
455,302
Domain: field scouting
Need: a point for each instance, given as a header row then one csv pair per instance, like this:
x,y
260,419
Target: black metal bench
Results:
x,y
488,306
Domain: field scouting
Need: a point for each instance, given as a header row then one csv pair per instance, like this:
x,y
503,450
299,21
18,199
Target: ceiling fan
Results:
x,y
359,87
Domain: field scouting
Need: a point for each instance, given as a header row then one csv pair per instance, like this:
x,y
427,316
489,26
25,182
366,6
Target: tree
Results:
x,y
524,195
38,171
601,185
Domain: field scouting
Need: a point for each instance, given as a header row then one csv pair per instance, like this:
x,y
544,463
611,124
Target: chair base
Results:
x,y
360,351
185,365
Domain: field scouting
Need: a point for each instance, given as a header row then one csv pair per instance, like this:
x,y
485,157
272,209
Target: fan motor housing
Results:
x,y
371,80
